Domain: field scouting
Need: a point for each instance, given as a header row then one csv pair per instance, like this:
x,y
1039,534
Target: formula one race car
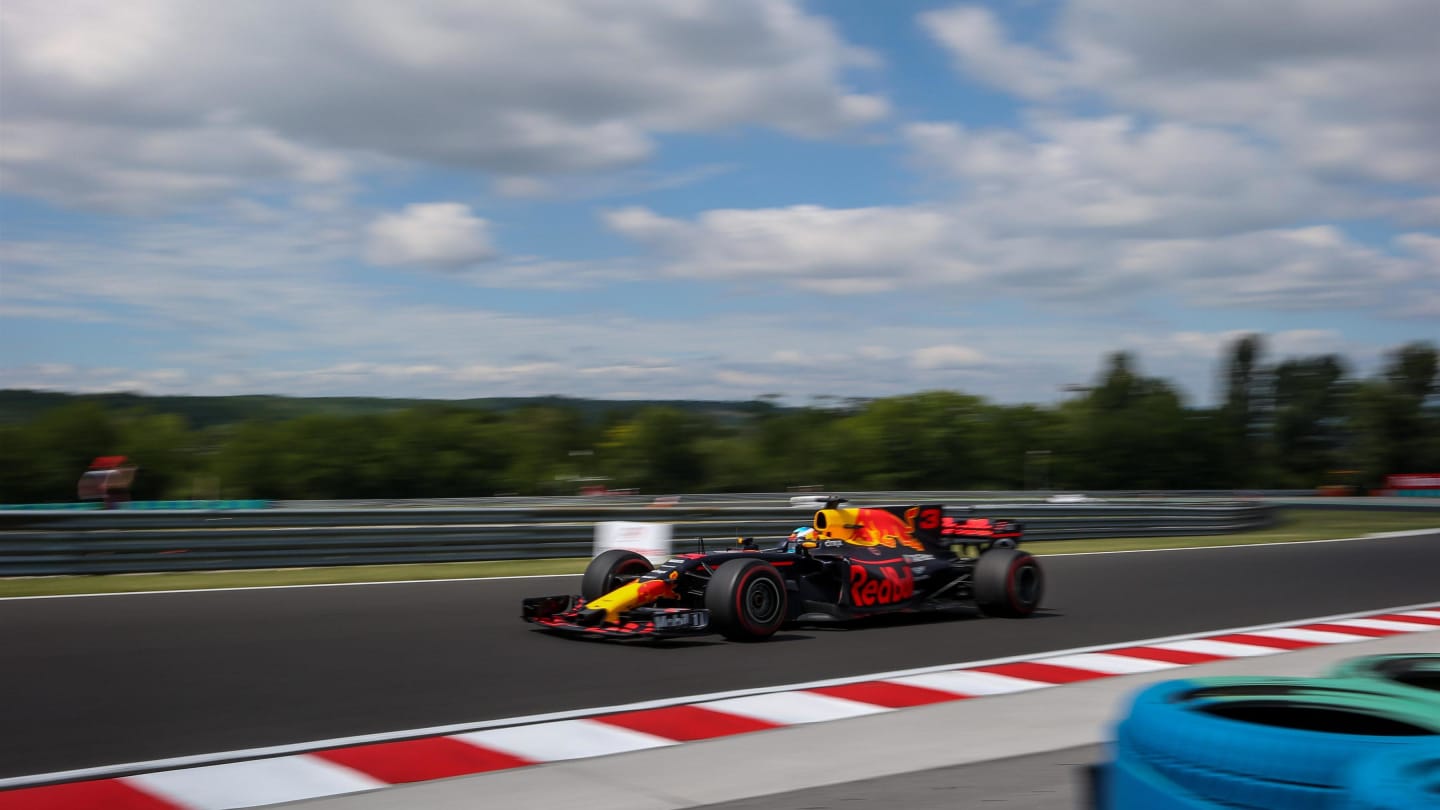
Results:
x,y
854,563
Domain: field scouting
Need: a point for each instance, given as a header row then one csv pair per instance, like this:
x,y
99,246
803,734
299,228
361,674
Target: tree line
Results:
x,y
1298,423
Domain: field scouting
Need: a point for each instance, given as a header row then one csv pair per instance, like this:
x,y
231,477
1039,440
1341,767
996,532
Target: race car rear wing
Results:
x,y
982,533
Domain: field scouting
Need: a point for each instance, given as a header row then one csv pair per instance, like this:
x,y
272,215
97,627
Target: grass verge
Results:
x,y
1294,525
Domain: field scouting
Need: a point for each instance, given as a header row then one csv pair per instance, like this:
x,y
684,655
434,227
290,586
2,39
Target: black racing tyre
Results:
x,y
610,570
746,599
1267,742
1008,582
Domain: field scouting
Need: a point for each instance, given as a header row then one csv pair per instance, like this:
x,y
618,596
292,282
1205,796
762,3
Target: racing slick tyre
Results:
x,y
610,570
1008,582
746,599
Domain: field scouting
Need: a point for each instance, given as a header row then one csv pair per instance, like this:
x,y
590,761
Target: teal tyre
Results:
x,y
1268,743
1416,675
1395,780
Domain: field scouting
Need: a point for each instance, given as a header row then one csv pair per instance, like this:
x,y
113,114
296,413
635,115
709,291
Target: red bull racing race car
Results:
x,y
850,563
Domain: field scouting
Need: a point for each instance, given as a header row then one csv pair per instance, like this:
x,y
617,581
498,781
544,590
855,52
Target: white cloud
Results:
x,y
1303,268
1426,247
1346,87
1111,174
856,250
194,99
441,235
229,307
973,252
931,358
978,44
141,170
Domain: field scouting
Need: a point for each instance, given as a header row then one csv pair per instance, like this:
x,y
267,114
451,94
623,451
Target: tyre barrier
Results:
x,y
1259,743
1417,674
1408,780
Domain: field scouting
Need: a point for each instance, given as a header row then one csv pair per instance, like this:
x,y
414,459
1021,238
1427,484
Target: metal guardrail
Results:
x,y
38,543
780,498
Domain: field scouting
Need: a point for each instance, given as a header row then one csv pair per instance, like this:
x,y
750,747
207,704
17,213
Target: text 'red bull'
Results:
x,y
877,585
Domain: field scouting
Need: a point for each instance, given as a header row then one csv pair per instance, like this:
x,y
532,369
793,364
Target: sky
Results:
x,y
708,199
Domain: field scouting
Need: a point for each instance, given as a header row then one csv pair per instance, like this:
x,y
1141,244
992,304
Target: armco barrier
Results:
x,y
38,543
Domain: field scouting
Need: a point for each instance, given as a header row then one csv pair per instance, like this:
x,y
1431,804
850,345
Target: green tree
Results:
x,y
1395,418
1308,429
538,441
1136,433
164,449
657,451
1244,416
919,441
67,439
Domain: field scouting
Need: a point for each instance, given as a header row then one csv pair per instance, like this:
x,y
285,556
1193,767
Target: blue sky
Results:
x,y
713,199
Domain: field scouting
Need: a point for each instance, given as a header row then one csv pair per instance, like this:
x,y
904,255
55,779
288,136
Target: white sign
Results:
x,y
651,540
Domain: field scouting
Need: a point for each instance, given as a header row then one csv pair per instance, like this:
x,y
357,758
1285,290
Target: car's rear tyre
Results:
x,y
610,570
1008,582
747,600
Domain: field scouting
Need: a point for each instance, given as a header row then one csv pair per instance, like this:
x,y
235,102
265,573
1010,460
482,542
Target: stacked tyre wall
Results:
x,y
1367,737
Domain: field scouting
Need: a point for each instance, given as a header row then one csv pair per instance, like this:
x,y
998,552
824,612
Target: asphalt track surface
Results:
x,y
100,680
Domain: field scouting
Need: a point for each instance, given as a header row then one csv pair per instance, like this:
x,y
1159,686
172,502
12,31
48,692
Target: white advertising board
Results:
x,y
651,540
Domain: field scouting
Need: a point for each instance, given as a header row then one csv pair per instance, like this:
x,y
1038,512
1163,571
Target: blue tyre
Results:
x,y
1395,780
1267,743
1133,785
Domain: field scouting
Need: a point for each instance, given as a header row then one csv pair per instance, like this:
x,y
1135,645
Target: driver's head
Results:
x,y
802,533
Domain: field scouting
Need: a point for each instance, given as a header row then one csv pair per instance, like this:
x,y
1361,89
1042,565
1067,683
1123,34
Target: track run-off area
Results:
x,y
91,681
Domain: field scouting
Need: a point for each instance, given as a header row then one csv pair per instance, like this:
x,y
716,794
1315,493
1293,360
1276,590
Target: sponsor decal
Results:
x,y
692,619
872,585
881,528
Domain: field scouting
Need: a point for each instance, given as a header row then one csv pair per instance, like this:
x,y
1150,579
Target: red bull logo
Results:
x,y
880,585
879,527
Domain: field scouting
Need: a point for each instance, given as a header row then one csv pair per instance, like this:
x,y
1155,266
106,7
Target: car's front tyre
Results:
x,y
746,599
610,570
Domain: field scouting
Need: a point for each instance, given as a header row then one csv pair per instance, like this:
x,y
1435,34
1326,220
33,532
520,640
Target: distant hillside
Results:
x,y
201,412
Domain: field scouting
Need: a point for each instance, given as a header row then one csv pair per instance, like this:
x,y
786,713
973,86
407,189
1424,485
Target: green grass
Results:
x,y
179,581
1294,525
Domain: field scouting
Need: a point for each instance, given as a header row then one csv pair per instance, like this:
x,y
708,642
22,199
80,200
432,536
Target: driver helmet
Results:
x,y
802,533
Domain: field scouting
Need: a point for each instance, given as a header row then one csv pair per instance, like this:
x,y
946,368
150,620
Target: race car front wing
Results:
x,y
568,614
